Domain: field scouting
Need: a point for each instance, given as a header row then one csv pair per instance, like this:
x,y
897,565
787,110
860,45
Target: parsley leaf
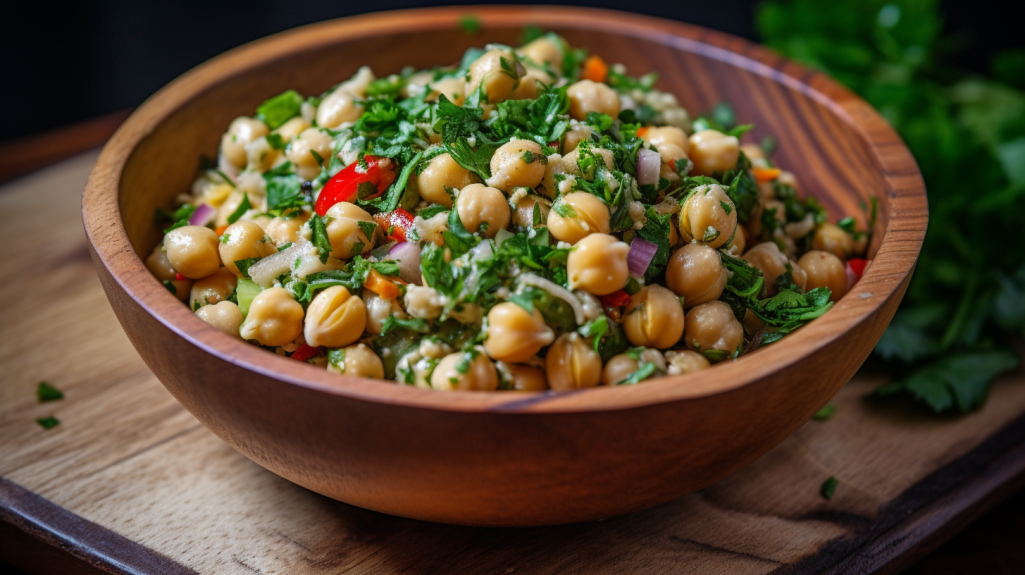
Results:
x,y
279,109
419,325
243,207
828,488
477,160
284,189
46,392
48,422
962,379
656,231
320,239
454,122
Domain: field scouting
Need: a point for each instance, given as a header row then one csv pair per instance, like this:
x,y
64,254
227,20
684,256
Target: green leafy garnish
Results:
x,y
319,238
828,488
470,25
46,392
242,208
244,265
826,413
48,422
279,109
419,325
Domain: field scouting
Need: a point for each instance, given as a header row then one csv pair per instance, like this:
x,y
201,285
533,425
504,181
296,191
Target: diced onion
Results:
x,y
408,256
204,214
641,253
649,164
265,271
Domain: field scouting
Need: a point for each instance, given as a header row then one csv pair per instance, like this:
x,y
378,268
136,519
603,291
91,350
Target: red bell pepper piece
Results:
x,y
399,222
615,299
858,266
178,276
305,352
344,186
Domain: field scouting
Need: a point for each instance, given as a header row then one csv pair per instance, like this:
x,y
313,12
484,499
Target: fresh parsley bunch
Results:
x,y
965,307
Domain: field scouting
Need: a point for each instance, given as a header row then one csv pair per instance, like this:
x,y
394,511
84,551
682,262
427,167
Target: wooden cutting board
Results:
x,y
130,482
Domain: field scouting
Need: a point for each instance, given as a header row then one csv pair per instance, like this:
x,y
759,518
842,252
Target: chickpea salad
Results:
x,y
529,219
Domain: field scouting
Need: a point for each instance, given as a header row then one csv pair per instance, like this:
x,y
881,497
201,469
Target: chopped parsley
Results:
x,y
46,392
279,109
48,422
828,488
242,208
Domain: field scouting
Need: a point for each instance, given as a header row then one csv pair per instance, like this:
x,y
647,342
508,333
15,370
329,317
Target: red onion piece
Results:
x,y
204,214
641,253
408,256
649,163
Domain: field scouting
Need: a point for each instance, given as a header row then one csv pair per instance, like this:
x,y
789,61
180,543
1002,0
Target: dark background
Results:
x,y
62,64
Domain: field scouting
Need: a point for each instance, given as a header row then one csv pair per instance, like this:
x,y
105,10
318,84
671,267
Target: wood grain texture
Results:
x,y
23,155
504,459
130,459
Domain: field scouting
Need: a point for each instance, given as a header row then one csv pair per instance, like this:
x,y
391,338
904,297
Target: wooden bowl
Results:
x,y
504,458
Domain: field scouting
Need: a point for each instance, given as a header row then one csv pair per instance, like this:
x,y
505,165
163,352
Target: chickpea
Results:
x,y
622,366
443,172
359,82
712,325
160,267
574,135
548,184
825,270
670,152
358,361
543,51
588,96
686,361
291,129
274,318
337,108
524,377
453,87
524,214
577,215
344,232
479,205
335,318
498,71
379,310
245,240
654,318
833,239
285,229
696,273
510,167
423,302
708,216
571,363
713,152
598,265
528,86
571,165
738,244
465,371
225,316
514,334
260,156
300,152
667,135
241,131
799,276
213,288
192,251
767,258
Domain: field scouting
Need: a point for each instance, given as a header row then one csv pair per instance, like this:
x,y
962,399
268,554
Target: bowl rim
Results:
x,y
882,280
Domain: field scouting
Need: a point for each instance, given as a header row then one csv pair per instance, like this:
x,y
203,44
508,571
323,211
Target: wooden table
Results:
x,y
130,482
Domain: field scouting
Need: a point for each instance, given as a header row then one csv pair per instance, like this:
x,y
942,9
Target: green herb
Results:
x,y
656,230
531,33
525,298
454,122
48,422
477,160
352,276
284,189
244,265
419,325
170,287
826,413
46,392
276,141
470,25
625,84
369,229
564,209
645,370
279,109
397,194
180,217
596,328
242,208
968,137
319,238
336,357
828,488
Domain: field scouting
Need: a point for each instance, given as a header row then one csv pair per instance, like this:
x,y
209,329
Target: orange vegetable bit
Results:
x,y
642,130
219,230
766,174
595,69
381,285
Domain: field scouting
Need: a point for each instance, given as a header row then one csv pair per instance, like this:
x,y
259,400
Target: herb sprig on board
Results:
x,y
966,303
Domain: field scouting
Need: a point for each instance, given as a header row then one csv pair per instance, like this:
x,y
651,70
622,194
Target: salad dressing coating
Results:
x,y
528,219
